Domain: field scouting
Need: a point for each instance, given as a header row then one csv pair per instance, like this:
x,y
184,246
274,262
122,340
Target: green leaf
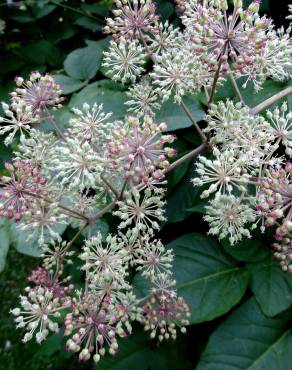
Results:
x,y
247,250
182,199
22,245
174,115
88,23
138,352
210,281
102,92
84,63
269,89
69,84
40,9
248,340
199,207
40,53
271,286
4,243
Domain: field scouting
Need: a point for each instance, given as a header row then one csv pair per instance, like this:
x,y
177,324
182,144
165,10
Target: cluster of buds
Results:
x,y
91,325
23,187
275,196
39,93
140,149
133,19
38,313
160,316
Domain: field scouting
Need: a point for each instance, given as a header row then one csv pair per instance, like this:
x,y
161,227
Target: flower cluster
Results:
x,y
95,164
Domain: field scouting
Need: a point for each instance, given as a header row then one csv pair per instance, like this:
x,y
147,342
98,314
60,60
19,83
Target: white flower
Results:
x,y
234,128
43,222
154,258
104,261
281,123
224,173
172,73
36,148
166,37
143,98
90,124
228,216
76,164
141,210
38,313
19,117
124,60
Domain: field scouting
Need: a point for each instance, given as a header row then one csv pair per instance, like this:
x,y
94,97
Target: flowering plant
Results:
x,y
72,176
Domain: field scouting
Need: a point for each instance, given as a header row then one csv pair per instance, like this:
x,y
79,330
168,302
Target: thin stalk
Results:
x,y
72,212
110,186
198,129
52,120
213,88
236,88
187,156
89,15
273,99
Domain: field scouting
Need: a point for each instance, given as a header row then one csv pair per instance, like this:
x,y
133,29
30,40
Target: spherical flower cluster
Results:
x,y
90,124
234,128
139,148
124,60
218,33
23,188
134,19
91,325
160,316
143,99
224,173
19,118
77,164
144,211
281,124
106,261
228,216
39,93
38,313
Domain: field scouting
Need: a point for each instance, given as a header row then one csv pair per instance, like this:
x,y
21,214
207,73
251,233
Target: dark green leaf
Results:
x,y
69,84
247,250
84,63
175,117
40,10
248,340
4,243
181,200
138,352
210,281
88,23
271,286
101,93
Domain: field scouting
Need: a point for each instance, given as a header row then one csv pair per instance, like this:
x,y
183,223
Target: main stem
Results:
x,y
260,107
198,129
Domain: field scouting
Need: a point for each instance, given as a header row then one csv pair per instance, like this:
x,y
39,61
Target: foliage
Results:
x,y
240,301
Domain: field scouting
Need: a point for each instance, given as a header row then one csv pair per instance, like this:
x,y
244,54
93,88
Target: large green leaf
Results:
x,y
100,92
84,63
4,243
181,199
69,84
271,286
210,281
174,115
248,250
138,352
248,340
